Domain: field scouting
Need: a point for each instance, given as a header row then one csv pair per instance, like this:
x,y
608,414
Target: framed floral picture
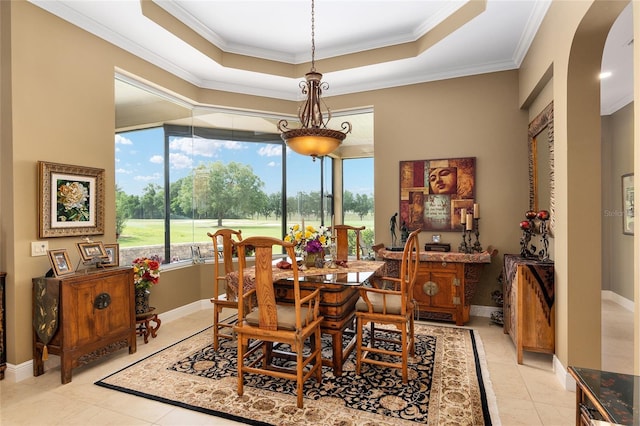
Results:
x,y
92,250
113,254
70,201
60,262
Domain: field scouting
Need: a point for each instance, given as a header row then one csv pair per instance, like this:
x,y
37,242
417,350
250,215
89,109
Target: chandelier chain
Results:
x,y
313,37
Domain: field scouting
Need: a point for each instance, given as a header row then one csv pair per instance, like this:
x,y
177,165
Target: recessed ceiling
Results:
x,y
207,41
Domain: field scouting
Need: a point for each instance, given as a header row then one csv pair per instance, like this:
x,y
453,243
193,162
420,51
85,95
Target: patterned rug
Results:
x,y
448,385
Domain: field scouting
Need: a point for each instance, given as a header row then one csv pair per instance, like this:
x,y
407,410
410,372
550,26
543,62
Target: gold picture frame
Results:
x,y
60,263
113,254
70,200
93,250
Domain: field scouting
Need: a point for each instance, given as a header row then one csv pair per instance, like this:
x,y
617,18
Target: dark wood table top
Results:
x,y
618,394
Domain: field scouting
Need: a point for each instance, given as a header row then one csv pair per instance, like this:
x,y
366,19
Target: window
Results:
x,y
183,171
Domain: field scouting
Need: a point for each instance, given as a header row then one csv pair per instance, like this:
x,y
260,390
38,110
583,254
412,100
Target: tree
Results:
x,y
362,205
122,213
234,190
348,202
152,202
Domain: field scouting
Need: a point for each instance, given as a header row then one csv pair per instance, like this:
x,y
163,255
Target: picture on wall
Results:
x,y
70,201
433,192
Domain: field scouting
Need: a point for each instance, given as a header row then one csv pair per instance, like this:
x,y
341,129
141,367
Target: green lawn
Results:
x,y
142,232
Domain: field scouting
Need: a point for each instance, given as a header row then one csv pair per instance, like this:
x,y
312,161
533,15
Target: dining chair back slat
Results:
x,y
342,240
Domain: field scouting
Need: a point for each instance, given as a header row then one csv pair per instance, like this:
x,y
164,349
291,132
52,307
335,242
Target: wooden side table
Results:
x,y
144,327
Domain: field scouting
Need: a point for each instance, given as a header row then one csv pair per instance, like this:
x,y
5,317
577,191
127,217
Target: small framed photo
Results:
x,y
60,262
90,251
435,238
113,254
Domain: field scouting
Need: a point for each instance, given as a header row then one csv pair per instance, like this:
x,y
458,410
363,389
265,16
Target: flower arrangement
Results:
x,y
309,239
146,272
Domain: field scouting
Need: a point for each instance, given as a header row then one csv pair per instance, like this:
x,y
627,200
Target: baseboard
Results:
x,y
483,311
563,376
616,298
17,373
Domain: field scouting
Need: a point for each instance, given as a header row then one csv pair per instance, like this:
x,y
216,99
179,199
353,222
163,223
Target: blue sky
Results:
x,y
140,161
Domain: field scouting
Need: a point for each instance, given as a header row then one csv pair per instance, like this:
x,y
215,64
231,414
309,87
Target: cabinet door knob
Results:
x,y
430,288
102,301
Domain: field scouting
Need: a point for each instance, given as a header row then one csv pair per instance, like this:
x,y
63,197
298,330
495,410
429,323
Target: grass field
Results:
x,y
143,232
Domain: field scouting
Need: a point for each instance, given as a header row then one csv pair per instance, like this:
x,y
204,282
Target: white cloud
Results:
x,y
180,161
122,140
155,176
156,159
202,147
273,164
123,171
270,150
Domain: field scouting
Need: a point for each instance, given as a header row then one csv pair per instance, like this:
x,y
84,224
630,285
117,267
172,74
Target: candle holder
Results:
x,y
536,223
543,216
476,224
466,245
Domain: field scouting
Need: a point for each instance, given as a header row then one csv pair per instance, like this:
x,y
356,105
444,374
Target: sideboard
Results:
x,y
529,311
82,316
446,282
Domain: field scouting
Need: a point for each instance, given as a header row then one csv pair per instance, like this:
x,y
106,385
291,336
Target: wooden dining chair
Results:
x,y
271,322
389,301
342,240
222,265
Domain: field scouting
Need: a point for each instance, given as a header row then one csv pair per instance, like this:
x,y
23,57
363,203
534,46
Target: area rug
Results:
x,y
448,385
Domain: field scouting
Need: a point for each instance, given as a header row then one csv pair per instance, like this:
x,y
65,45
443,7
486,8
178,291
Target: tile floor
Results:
x,y
527,394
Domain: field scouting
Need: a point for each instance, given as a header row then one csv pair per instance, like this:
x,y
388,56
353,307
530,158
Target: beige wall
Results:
x,y
617,148
60,108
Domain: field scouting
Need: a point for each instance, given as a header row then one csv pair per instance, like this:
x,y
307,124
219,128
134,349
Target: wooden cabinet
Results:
x,y
83,316
438,291
446,282
529,309
3,327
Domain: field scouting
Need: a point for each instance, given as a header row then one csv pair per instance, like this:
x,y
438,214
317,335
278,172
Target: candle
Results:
x,y
476,211
303,228
333,227
463,216
469,222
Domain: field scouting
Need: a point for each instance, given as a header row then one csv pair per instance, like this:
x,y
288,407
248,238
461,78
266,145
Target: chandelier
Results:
x,y
313,138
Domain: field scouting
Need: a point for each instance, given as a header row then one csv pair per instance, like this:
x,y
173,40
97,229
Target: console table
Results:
x,y
82,316
446,282
529,310
606,396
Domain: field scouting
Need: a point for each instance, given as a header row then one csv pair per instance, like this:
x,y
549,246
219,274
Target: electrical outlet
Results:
x,y
39,248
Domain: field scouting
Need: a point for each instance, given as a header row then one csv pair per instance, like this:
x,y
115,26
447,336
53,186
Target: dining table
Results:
x,y
338,296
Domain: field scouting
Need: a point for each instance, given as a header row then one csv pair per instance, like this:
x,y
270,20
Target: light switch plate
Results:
x,y
39,248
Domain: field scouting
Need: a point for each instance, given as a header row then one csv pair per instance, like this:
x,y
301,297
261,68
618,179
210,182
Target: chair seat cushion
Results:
x,y
394,303
286,317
